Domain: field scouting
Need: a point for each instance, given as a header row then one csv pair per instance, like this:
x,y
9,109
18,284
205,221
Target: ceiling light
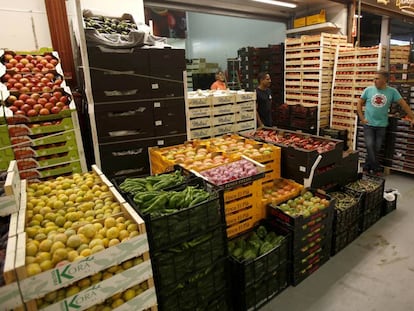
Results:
x,y
278,3
357,16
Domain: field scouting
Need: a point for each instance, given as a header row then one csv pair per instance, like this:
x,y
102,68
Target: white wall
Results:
x,y
217,38
24,25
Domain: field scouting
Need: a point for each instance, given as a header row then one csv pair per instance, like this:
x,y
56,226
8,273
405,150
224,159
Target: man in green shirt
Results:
x,y
377,100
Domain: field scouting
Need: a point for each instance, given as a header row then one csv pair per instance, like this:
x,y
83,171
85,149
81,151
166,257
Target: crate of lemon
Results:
x,y
82,245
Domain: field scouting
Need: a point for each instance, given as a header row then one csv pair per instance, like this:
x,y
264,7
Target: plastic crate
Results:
x,y
197,290
173,265
370,217
256,295
301,223
298,275
373,197
346,215
166,230
344,238
248,272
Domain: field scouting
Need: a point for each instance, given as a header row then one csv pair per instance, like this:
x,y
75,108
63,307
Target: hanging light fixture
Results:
x,y
278,3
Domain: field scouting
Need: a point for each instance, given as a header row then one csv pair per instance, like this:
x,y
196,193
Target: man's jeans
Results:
x,y
374,138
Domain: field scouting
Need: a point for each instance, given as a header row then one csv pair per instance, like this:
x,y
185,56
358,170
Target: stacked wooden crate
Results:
x,y
309,64
355,69
399,54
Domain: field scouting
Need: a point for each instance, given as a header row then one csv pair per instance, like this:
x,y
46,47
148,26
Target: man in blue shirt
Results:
x,y
377,100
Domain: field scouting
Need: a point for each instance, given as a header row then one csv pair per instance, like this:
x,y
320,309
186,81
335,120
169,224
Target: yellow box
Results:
x,y
240,204
241,227
316,19
240,192
299,22
239,216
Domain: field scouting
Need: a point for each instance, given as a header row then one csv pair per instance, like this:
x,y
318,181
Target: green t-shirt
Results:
x,y
377,104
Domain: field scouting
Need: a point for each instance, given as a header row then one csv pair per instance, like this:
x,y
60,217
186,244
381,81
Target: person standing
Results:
x,y
220,83
264,100
377,100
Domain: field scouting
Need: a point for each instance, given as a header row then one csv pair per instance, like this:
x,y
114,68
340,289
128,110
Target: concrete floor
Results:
x,y
374,273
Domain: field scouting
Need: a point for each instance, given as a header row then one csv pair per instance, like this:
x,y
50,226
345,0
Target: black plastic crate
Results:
x,y
247,272
199,289
178,263
336,134
258,294
301,112
302,223
167,230
298,275
344,238
348,209
372,196
370,217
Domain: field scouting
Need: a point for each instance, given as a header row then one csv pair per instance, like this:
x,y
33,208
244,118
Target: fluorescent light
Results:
x,y
278,3
357,16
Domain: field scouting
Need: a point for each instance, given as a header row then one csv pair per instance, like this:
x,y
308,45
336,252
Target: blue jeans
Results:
x,y
374,138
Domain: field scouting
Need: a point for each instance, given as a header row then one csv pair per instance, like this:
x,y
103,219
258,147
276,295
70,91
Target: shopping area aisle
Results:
x,y
374,273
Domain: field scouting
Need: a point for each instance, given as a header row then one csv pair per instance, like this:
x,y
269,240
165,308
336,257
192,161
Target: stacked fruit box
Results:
x,y
10,200
309,219
9,204
308,78
300,151
372,189
187,240
41,116
75,250
347,218
259,266
399,54
214,114
354,70
400,145
240,193
6,152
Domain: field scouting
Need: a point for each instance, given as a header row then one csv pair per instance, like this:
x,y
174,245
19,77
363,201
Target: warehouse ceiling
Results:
x,y
245,8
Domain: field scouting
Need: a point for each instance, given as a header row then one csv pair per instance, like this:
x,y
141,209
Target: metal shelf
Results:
x,y
313,28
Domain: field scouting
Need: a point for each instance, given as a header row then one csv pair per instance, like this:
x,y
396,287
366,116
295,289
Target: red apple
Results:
x,y
24,97
18,57
50,76
55,110
7,76
57,94
25,89
13,61
50,84
18,85
36,89
39,57
42,101
44,80
25,69
48,57
35,96
25,107
18,103
17,76
8,85
19,66
46,95
32,113
50,66
11,99
66,107
12,81
8,56
31,102
60,104
33,61
39,75
44,111
43,61
49,105
35,69
39,66
45,70
37,107
29,57
29,85
24,80
53,100
9,66
54,61
46,89
29,65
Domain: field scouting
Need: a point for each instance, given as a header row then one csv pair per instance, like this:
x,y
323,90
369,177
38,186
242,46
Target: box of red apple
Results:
x,y
33,107
301,149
